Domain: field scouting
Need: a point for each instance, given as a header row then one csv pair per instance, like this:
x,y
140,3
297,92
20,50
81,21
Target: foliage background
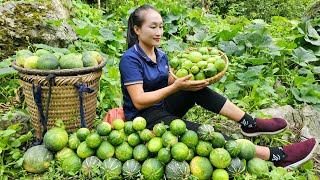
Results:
x,y
274,56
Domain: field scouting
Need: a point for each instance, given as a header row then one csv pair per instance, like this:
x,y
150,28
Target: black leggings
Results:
x,y
178,104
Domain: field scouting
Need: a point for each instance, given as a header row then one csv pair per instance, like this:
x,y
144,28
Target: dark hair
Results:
x,y
135,19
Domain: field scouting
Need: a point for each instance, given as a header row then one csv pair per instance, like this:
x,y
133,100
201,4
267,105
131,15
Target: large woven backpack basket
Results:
x,y
69,95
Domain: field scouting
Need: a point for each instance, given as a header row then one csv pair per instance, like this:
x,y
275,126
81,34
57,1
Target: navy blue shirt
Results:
x,y
137,68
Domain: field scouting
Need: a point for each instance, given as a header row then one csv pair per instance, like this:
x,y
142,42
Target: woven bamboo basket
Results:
x,y
64,102
218,76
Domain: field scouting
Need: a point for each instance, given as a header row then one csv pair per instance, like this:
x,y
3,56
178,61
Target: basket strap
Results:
x,y
50,78
37,98
82,88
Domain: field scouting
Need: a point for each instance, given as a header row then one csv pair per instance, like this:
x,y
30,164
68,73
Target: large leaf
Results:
x,y
172,29
273,50
199,37
250,77
259,40
316,69
228,47
107,34
227,35
7,71
303,57
232,89
269,89
312,35
240,39
257,61
8,132
79,23
305,95
82,31
170,18
173,45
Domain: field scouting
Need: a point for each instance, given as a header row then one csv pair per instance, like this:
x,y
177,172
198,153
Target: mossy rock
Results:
x,y
21,22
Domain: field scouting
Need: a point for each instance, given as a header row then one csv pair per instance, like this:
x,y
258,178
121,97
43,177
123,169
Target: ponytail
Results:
x,y
135,19
132,37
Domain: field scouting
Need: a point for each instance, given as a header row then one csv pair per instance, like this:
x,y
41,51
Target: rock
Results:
x,y
63,7
19,20
21,118
311,120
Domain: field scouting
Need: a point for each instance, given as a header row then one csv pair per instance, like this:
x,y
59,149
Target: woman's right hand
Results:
x,y
186,84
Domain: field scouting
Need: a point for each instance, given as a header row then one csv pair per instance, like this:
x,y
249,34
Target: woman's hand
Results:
x,y
186,84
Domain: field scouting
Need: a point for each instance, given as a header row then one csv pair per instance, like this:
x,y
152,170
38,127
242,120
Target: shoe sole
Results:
x,y
307,158
262,133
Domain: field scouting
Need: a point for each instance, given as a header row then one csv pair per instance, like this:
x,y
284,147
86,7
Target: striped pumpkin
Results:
x,y
236,167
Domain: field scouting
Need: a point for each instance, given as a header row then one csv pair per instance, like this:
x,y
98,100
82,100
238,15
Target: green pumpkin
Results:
x,y
37,159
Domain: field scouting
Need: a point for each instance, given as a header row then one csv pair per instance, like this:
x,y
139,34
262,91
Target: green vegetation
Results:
x,y
274,60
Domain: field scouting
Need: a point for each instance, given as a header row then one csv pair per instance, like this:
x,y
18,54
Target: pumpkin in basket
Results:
x,y
203,63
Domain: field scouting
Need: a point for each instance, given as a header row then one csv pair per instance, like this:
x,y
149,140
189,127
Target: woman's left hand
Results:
x,y
186,84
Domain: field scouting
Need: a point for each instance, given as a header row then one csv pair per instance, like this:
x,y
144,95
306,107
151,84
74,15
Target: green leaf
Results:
x,y
304,71
16,143
8,132
7,62
173,45
170,17
316,69
269,89
306,97
82,31
312,35
112,47
7,71
17,127
80,24
240,39
55,22
228,47
198,37
302,28
25,137
172,29
16,155
311,31
59,123
232,89
107,34
259,40
2,144
20,162
227,35
302,56
257,61
277,173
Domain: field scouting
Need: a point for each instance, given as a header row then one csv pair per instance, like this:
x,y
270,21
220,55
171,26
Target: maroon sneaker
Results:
x,y
265,126
298,153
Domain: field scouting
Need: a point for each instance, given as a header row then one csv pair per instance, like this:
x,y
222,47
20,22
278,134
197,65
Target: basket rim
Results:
x,y
60,72
213,78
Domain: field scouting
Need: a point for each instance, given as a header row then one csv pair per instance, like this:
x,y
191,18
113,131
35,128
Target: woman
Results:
x,y
151,92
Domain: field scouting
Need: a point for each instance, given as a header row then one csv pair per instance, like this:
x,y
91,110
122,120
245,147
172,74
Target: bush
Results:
x,y
256,9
